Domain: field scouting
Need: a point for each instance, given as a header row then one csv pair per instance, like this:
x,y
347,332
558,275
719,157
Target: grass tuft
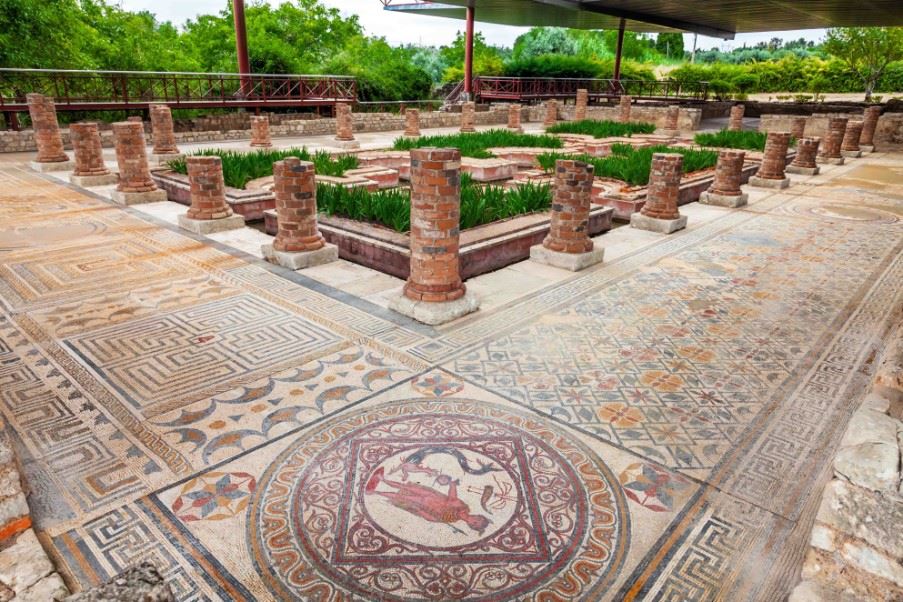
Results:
x,y
475,145
240,168
632,165
601,129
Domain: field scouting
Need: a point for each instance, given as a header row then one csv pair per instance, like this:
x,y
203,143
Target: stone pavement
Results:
x,y
659,426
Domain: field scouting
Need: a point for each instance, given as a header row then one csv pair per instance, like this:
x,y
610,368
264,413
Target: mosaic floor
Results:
x,y
652,428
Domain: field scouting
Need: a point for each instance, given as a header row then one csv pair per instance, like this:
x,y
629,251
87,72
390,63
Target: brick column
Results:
x,y
209,211
771,170
568,244
869,124
735,123
849,147
90,169
514,118
135,183
830,146
298,243
344,125
660,213
798,127
164,134
434,292
725,190
624,116
260,131
468,117
672,121
580,104
551,113
46,134
804,161
412,123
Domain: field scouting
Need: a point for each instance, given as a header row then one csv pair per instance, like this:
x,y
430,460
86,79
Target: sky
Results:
x,y
413,29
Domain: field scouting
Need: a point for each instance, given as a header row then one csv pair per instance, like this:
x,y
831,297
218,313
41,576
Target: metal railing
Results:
x,y
542,88
118,90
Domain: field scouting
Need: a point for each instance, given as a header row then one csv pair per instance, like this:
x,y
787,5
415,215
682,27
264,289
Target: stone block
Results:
x,y
867,148
24,563
211,226
869,516
434,313
347,144
567,261
851,154
872,561
802,171
49,588
662,226
871,465
141,582
769,183
88,181
139,198
298,261
51,167
867,426
830,160
723,200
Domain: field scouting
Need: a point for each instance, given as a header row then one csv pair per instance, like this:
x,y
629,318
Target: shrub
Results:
x,y
601,129
241,168
632,165
392,208
745,139
553,65
475,145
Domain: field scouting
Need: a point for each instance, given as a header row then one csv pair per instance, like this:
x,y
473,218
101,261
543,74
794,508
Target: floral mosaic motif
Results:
x,y
650,486
437,384
438,500
214,496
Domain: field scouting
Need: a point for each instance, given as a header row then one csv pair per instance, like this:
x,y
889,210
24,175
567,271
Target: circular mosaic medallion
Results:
x,y
845,212
438,500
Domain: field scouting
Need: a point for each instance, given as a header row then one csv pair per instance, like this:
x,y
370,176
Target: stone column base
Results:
x,y
211,226
867,148
758,182
164,158
256,146
567,261
851,154
139,198
723,200
302,259
411,136
467,130
436,312
830,160
347,144
519,130
68,165
662,226
803,171
669,133
101,180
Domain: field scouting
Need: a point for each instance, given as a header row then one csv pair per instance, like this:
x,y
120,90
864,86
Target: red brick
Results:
x,y
775,158
88,150
735,123
260,131
728,173
208,191
131,155
46,129
664,186
164,134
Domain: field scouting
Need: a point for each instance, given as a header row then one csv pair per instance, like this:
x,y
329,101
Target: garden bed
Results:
x,y
476,145
601,129
741,140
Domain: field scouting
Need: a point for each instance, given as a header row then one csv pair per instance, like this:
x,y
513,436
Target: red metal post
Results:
x,y
468,55
241,45
617,74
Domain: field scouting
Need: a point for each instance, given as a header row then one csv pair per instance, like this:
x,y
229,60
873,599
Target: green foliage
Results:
x,y
601,129
475,145
867,51
240,168
745,139
632,165
544,40
392,208
382,72
670,45
487,60
551,65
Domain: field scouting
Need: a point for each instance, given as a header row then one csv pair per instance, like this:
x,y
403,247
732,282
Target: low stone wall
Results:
x,y
26,572
687,121
888,134
856,546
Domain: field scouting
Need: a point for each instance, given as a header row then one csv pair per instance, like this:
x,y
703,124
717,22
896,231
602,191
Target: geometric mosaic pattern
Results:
x,y
163,362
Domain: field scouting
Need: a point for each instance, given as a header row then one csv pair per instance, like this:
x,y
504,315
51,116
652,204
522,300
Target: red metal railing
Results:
x,y
118,90
541,88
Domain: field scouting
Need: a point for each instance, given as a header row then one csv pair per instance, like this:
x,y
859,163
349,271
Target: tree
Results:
x,y
544,40
43,35
670,45
866,50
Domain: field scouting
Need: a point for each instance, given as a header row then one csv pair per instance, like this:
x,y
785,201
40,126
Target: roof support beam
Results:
x,y
699,28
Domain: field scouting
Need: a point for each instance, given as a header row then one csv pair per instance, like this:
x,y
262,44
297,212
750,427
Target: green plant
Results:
x,y
601,129
240,168
392,208
632,165
745,139
475,145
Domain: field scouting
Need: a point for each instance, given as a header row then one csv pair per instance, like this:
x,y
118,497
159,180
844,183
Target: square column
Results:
x,y
580,104
209,212
660,212
434,292
568,244
551,113
624,106
135,183
514,118
468,117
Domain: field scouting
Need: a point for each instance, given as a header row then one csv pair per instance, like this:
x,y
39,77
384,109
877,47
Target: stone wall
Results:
x,y
856,545
26,572
888,134
656,114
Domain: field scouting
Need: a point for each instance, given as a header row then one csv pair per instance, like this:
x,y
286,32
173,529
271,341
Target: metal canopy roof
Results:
x,y
717,18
